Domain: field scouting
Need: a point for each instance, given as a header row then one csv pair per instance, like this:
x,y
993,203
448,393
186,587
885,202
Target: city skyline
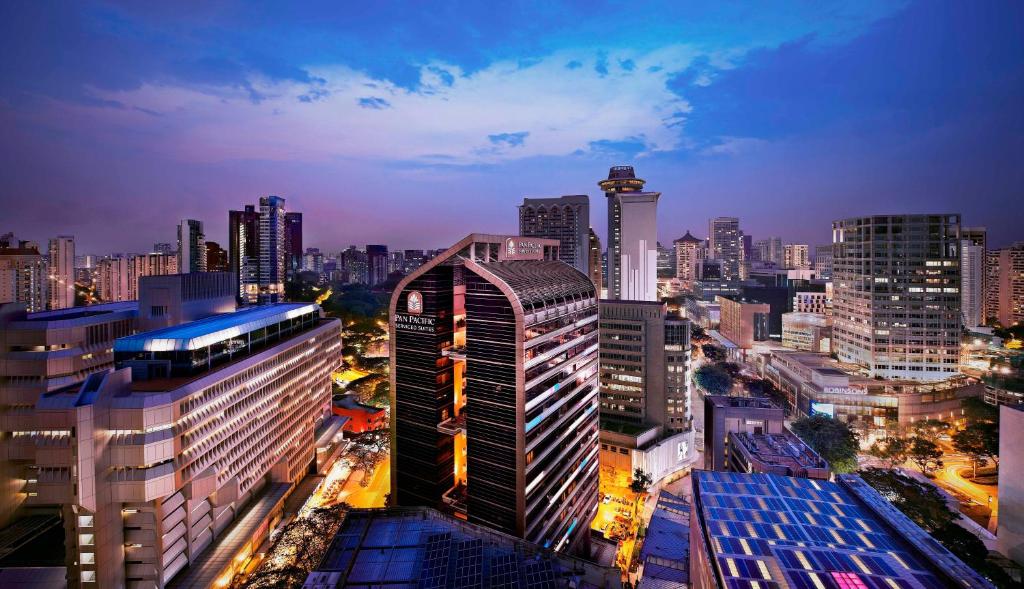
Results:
x,y
813,113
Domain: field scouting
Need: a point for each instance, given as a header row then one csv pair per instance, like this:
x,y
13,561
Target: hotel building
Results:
x,y
61,272
494,389
632,236
151,462
724,245
689,252
565,218
896,303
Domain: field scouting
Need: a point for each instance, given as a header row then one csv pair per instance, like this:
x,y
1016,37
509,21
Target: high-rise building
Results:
x,y
258,249
396,262
163,248
152,264
724,245
1006,284
354,265
594,267
197,425
979,236
632,236
293,242
412,259
61,272
769,251
689,253
216,258
312,261
191,246
565,218
896,301
112,279
972,283
23,275
666,262
796,256
513,444
376,264
743,322
746,254
823,262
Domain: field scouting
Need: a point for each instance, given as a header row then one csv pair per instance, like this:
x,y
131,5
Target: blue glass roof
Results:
x,y
202,333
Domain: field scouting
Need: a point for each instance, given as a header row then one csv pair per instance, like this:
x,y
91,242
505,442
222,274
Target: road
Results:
x,y
371,495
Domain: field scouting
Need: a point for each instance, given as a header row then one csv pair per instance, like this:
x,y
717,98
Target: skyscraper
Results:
x,y
513,444
972,283
216,257
256,249
724,245
61,272
689,252
632,236
796,256
191,246
293,242
897,294
1006,284
595,269
23,275
565,218
979,236
823,262
377,264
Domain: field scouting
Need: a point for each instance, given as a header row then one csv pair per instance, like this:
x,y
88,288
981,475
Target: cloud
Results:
x,y
462,118
574,65
509,139
374,103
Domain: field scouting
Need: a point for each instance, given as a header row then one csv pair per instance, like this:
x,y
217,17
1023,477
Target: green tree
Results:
x,y
713,353
832,439
713,379
976,410
893,451
641,481
979,440
930,429
925,454
921,502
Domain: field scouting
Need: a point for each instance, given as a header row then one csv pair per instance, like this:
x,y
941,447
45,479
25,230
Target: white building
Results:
x,y
632,236
972,283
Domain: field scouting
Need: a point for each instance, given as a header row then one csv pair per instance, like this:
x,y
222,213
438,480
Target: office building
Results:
x,y
312,261
724,245
746,254
513,443
61,272
427,548
594,267
565,218
376,264
257,249
173,299
769,252
666,262
632,236
767,530
396,262
23,275
191,246
972,284
645,390
743,322
812,302
896,300
724,415
216,258
810,332
152,462
796,256
293,242
1006,284
353,263
689,252
823,262
1011,485
411,260
42,352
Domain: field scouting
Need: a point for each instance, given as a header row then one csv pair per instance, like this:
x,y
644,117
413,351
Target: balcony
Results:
x,y
455,498
453,426
455,352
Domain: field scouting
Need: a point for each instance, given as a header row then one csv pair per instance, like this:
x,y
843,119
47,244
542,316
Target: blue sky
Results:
x,y
414,123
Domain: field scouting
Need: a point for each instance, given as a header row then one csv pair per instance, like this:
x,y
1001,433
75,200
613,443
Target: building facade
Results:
x,y
565,218
897,295
595,269
823,262
811,332
972,283
494,389
216,258
796,256
293,242
632,236
191,246
689,252
724,245
258,242
23,276
743,322
376,264
61,272
1006,284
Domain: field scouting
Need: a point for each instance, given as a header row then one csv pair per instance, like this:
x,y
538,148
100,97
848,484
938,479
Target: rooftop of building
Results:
x,y
688,238
747,402
537,282
826,366
784,449
351,402
566,198
780,531
421,547
72,313
665,552
211,330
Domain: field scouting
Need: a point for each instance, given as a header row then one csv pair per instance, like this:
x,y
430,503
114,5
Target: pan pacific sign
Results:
x,y
521,248
415,323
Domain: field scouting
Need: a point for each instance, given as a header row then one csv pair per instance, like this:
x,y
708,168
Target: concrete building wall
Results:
x,y
1011,483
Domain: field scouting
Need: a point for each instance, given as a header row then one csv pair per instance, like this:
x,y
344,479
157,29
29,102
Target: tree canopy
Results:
x,y
832,439
921,502
893,451
713,379
925,454
979,440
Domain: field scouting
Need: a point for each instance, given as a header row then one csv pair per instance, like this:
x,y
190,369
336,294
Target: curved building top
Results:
x,y
621,179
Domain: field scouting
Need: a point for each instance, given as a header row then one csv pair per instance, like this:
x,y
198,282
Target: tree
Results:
x,y
930,429
921,502
925,454
830,438
713,379
641,481
976,410
893,451
366,450
979,440
697,332
713,353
